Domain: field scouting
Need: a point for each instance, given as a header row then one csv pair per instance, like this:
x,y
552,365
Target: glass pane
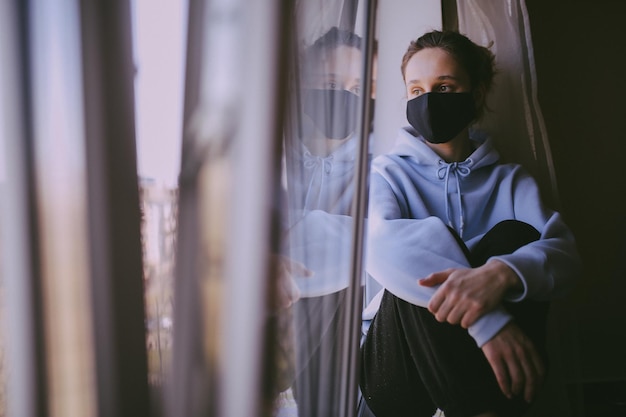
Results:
x,y
159,43
320,163
225,219
303,369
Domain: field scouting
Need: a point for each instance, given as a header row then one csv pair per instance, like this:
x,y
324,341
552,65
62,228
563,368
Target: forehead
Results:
x,y
341,58
431,64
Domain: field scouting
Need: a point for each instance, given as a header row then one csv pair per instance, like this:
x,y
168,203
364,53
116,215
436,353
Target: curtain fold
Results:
x,y
514,119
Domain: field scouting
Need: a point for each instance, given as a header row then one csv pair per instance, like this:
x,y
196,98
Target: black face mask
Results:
x,y
334,112
439,117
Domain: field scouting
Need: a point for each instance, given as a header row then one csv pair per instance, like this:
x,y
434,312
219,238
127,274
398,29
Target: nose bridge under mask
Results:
x,y
439,117
332,111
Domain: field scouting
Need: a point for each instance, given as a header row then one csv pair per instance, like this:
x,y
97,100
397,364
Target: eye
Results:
x,y
444,89
414,92
331,85
356,90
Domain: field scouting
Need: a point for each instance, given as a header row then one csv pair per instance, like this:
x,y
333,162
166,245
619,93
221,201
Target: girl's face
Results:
x,y
338,69
434,70
332,115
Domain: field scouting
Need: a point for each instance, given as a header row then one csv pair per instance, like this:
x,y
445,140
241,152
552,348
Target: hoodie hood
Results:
x,y
323,182
411,146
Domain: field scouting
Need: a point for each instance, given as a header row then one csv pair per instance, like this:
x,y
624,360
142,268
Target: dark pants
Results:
x,y
319,324
411,364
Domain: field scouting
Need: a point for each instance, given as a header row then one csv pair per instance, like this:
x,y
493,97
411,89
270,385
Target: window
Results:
x,y
184,205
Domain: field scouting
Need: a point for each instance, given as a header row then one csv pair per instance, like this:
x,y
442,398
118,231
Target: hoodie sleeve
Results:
x,y
322,243
548,267
401,250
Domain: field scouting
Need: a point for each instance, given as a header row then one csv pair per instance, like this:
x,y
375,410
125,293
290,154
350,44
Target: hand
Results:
x,y
466,294
287,291
515,362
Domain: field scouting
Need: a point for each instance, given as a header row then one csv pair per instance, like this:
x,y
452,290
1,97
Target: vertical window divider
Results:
x,y
351,345
187,348
254,146
113,210
26,346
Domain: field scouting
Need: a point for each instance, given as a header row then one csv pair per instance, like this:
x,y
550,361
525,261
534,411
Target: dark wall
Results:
x,y
580,52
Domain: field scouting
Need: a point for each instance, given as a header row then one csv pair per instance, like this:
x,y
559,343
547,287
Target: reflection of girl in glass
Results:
x,y
466,251
320,161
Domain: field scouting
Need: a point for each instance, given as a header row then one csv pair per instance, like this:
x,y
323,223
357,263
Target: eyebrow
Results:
x,y
334,75
441,77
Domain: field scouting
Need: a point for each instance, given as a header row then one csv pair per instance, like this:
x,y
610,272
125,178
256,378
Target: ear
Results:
x,y
479,95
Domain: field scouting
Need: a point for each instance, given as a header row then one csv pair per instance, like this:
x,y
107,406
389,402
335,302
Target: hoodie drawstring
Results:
x,y
459,169
316,163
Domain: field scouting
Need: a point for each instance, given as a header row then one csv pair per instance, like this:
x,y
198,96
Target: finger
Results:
x,y
535,365
435,302
287,292
475,310
530,383
517,375
539,365
455,315
469,318
502,375
433,279
293,292
443,312
296,268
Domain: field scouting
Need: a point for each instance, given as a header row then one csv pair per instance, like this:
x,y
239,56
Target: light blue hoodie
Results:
x,y
415,196
319,229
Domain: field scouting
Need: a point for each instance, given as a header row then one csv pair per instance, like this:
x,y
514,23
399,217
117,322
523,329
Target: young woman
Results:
x,y
465,250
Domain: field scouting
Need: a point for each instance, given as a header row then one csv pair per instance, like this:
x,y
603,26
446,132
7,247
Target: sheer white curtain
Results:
x,y
515,120
516,124
314,18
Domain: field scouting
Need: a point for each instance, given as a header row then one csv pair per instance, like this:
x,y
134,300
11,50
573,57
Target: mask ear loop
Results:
x,y
404,103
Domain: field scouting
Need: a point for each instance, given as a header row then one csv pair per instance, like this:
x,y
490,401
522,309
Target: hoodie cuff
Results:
x,y
486,327
514,296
